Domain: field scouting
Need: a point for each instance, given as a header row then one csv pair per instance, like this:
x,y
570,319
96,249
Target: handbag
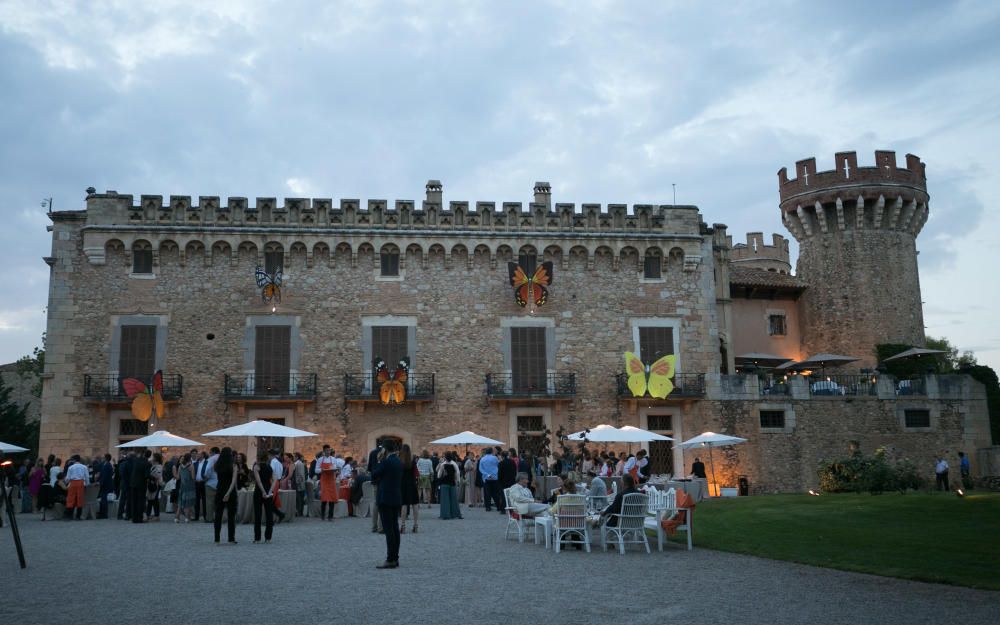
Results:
x,y
170,485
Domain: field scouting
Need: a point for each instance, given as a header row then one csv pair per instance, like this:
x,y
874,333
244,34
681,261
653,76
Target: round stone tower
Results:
x,y
857,229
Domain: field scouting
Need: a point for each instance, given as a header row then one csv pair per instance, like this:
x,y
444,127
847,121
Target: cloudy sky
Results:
x,y
609,101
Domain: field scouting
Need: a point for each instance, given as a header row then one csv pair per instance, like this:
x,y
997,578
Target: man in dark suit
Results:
x,y
125,486
507,471
107,481
389,499
137,485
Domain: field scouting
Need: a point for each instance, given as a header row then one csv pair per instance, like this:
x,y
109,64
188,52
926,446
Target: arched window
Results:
x,y
142,257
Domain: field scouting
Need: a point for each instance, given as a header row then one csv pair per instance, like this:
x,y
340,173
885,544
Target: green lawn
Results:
x,y
932,537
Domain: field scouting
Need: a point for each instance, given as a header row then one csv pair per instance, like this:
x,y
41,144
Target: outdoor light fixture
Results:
x,y
813,493
960,493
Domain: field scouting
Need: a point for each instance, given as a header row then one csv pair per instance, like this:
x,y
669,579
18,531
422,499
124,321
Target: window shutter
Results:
x,y
137,352
272,359
390,343
655,343
529,365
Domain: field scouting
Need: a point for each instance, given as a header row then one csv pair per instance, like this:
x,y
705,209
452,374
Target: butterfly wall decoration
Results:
x,y
654,378
269,284
530,289
146,401
392,389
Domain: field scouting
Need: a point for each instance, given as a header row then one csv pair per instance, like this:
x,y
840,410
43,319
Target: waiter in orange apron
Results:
x,y
77,477
328,471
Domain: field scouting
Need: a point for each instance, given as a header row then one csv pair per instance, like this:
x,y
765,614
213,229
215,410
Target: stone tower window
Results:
x,y
776,325
528,359
390,263
274,258
390,344
652,266
142,257
772,419
655,342
528,260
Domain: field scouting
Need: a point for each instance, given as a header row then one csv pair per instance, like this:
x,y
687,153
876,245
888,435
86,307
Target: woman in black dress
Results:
x,y
225,495
411,496
263,498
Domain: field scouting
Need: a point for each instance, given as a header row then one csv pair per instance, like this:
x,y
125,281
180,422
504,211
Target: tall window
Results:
x,y
272,359
528,362
137,353
655,343
776,325
390,344
274,260
652,266
528,261
142,257
390,263
131,429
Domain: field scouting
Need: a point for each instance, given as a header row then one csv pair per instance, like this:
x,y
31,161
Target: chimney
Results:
x,y
543,195
434,192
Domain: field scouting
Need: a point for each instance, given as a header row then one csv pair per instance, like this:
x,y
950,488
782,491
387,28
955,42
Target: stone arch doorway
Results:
x,y
399,435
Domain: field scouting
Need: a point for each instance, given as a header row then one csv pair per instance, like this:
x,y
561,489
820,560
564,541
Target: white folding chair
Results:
x,y
670,511
630,523
519,521
570,522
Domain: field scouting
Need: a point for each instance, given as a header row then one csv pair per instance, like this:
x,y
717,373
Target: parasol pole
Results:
x,y
711,460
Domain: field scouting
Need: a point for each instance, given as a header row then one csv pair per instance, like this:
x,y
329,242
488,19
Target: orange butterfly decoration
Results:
x,y
146,401
393,389
530,289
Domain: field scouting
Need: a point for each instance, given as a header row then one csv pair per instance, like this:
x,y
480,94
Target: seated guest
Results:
x,y
598,492
628,487
520,497
568,488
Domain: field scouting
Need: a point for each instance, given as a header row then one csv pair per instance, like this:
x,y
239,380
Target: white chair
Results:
x,y
519,521
90,503
669,511
364,508
629,525
570,521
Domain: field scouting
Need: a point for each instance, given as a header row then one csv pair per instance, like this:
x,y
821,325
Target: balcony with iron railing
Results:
x,y
107,387
363,387
252,387
552,386
686,385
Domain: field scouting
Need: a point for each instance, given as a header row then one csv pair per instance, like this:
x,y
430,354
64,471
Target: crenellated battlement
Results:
x,y
847,173
883,197
756,249
432,213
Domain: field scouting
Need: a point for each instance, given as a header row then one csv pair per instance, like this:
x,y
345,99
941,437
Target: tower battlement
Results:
x,y
848,174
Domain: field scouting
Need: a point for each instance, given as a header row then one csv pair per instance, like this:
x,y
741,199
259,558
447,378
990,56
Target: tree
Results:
x,y
33,365
14,425
951,360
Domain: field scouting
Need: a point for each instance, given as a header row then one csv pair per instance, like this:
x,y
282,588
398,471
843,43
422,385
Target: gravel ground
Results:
x,y
452,572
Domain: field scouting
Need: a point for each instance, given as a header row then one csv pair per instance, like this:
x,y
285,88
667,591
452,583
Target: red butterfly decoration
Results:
x,y
393,389
145,401
533,289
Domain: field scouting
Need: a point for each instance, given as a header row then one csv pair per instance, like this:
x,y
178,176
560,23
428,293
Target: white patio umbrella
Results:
x,y
710,440
162,438
466,438
261,428
600,434
7,448
639,435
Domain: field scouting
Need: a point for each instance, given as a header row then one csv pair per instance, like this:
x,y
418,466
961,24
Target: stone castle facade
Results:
x,y
143,285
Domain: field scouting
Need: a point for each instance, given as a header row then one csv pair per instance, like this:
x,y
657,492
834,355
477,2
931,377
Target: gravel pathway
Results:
x,y
459,571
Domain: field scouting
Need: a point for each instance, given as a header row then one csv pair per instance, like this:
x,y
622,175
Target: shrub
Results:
x,y
874,474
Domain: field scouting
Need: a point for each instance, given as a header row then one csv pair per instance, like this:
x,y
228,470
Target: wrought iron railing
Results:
x,y
853,384
364,386
685,385
549,385
300,386
108,386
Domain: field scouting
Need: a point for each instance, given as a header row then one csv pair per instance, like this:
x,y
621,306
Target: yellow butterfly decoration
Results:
x,y
655,378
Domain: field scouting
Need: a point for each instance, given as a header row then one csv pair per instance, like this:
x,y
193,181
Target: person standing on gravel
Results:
x,y
389,475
